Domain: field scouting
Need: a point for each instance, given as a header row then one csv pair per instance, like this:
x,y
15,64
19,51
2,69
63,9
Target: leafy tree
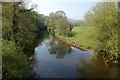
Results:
x,y
63,26
57,23
104,16
50,22
7,20
21,24
19,29
61,13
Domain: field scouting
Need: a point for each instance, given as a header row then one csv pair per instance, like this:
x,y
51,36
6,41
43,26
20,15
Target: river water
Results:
x,y
56,59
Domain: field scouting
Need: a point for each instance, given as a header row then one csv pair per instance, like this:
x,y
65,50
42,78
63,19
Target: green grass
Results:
x,y
84,35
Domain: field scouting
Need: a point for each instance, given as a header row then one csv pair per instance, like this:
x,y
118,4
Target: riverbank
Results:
x,y
81,37
85,38
61,38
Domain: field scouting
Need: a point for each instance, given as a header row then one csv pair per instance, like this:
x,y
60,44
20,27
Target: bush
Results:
x,y
14,62
71,34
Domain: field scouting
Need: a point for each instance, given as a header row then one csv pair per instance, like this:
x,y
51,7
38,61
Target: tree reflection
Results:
x,y
57,48
96,68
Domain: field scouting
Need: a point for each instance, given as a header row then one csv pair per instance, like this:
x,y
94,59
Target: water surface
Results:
x,y
55,59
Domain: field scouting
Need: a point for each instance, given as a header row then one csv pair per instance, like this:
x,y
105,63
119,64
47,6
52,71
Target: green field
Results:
x,y
84,35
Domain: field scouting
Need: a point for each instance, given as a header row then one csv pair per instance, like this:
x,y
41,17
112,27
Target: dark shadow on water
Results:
x,y
96,68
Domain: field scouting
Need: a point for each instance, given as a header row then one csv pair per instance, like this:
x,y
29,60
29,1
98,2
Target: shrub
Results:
x,y
14,62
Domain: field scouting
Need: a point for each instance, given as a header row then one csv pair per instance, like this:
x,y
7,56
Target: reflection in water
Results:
x,y
58,48
55,59
96,69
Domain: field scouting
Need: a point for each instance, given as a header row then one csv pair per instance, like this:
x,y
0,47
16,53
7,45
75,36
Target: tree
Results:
x,y
63,26
61,13
89,18
21,24
104,16
7,20
57,23
50,22
19,29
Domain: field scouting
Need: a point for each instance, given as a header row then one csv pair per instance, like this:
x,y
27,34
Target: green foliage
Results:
x,y
15,64
57,23
63,26
99,31
19,29
7,20
104,16
50,22
27,28
20,24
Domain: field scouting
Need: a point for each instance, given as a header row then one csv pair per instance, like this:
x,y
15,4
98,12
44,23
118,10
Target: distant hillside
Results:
x,y
73,21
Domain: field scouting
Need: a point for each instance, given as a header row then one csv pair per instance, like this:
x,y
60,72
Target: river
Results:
x,y
56,59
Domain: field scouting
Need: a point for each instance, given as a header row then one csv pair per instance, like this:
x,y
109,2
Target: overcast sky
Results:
x,y
74,9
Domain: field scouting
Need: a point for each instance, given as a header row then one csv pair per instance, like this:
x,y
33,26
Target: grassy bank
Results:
x,y
86,38
83,36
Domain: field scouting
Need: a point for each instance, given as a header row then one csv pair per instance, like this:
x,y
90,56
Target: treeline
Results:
x,y
57,23
104,17
20,26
